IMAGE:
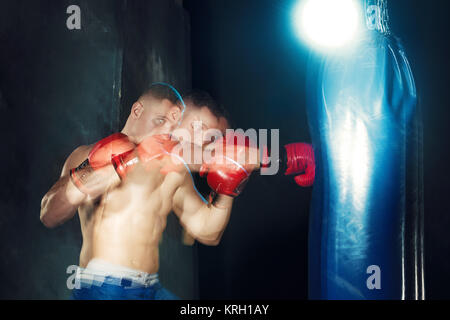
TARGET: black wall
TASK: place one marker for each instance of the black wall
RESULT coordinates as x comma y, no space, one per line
57,89
246,54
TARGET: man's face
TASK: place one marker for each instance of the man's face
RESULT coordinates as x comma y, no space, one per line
199,125
156,117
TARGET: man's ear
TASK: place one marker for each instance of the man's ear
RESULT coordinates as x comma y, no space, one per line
136,110
175,114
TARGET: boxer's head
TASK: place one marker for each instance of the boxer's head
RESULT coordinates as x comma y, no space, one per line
202,114
157,111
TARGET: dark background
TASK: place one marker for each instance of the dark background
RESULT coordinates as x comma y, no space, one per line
61,88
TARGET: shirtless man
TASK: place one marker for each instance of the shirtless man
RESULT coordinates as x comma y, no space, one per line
123,217
124,189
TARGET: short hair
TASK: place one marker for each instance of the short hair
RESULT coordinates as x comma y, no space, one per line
160,91
200,98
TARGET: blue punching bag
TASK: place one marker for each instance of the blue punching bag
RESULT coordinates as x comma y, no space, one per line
366,222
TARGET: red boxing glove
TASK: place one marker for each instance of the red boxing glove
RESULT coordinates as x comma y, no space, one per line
123,163
106,149
104,152
157,147
300,161
229,171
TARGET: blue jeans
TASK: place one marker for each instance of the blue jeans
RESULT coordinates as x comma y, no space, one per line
108,291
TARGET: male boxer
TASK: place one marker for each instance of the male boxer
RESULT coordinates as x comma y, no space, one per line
122,218
126,186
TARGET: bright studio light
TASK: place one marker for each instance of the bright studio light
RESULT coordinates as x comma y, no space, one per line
327,23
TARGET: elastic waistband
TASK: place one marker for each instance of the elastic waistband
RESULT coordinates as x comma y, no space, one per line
98,272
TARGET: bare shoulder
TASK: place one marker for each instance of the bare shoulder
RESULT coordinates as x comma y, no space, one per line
76,158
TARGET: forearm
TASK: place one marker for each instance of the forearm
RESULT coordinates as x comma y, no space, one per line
94,183
213,220
60,203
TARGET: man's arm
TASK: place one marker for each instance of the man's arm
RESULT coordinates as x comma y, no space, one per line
204,223
226,174
87,174
61,202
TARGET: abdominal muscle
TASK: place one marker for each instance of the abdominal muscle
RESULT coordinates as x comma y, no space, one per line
125,226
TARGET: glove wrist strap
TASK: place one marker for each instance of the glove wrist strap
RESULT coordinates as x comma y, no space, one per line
80,176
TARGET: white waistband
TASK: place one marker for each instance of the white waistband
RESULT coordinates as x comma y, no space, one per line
98,270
